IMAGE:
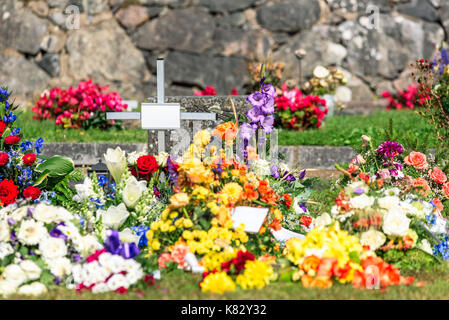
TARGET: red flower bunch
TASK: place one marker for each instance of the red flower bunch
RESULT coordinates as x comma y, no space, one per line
305,221
210,91
12,140
376,272
8,192
31,192
300,112
237,264
408,99
3,158
76,107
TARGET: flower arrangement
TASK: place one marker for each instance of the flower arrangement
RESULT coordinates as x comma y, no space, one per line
110,269
329,253
297,111
81,107
24,172
324,81
394,201
39,245
243,269
404,99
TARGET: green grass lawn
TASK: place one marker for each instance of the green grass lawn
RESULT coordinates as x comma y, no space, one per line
182,286
337,131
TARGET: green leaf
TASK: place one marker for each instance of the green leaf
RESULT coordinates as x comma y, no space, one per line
57,166
41,181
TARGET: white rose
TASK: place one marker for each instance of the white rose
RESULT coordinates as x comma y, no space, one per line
105,259
4,231
116,162
361,202
162,158
133,156
31,269
50,214
388,202
322,220
116,264
261,167
60,267
31,232
343,94
34,289
14,274
320,72
5,249
425,246
372,238
129,236
114,217
52,248
7,288
133,191
396,223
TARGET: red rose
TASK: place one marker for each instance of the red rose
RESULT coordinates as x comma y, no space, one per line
8,192
147,164
12,139
3,158
2,128
32,192
29,158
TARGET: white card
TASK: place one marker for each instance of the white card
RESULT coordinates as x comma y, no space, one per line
161,116
284,234
252,218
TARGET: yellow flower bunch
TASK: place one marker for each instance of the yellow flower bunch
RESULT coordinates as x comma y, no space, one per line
202,138
218,282
257,274
231,193
329,242
213,259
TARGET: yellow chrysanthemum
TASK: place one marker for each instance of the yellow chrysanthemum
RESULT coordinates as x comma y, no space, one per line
257,274
232,191
218,282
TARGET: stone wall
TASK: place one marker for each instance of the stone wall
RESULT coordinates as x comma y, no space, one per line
209,42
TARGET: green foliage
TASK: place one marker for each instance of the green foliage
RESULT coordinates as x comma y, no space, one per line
412,260
63,193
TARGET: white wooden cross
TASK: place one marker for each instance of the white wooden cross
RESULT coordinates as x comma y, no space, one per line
160,116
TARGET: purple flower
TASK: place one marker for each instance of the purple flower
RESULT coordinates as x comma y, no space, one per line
359,191
76,257
30,212
56,233
390,149
275,171
268,106
255,115
303,207
112,243
257,99
289,177
269,90
129,250
267,124
246,131
444,56
11,221
302,174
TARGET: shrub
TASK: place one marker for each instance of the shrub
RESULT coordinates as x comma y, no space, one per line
81,107
298,111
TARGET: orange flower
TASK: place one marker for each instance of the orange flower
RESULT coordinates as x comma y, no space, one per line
307,281
178,255
446,189
353,168
437,175
249,192
417,159
322,283
268,259
252,153
275,224
326,268
422,185
310,263
438,204
226,131
288,200
163,259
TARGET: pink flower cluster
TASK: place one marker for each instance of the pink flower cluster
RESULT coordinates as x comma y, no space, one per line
210,91
409,98
299,112
75,106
